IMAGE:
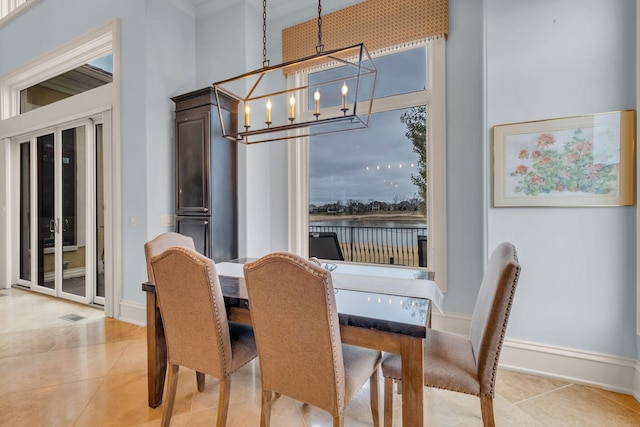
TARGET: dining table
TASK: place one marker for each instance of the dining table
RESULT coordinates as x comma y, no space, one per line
383,307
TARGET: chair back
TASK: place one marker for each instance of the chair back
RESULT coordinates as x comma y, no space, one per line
491,313
295,321
160,244
325,245
193,311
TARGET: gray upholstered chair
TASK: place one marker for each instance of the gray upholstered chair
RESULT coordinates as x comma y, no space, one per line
161,243
198,334
293,311
468,365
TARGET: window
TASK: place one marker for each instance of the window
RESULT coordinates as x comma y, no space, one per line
88,97
86,63
381,189
81,79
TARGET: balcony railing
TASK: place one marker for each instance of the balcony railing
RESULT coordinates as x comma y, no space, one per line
380,245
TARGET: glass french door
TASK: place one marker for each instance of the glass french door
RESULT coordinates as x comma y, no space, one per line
58,212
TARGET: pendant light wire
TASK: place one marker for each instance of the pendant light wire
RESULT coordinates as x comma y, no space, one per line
320,47
265,61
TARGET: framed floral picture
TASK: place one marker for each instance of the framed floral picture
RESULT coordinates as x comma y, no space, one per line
573,161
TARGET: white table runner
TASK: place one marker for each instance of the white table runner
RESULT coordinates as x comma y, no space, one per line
375,279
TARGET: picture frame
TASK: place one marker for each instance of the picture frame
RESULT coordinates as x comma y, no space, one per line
586,160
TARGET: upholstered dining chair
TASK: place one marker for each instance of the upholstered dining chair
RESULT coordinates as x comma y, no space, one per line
294,316
198,333
468,365
161,243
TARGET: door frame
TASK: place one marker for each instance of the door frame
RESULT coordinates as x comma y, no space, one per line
103,100
13,241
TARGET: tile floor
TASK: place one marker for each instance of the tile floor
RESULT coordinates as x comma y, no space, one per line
92,372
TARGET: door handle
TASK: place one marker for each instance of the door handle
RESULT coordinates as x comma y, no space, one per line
66,225
52,225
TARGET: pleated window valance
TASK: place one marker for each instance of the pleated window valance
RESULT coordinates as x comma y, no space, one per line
377,23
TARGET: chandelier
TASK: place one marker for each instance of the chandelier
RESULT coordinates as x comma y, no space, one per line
334,95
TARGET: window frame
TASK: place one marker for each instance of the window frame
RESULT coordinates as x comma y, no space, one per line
434,97
65,58
102,103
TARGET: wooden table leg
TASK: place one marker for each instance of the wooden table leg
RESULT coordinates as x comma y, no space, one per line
412,350
156,352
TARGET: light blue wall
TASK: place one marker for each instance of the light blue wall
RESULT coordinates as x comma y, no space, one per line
555,59
230,43
170,63
465,220
157,61
507,61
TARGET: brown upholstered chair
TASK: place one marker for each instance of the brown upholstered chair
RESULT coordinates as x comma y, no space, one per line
468,365
161,243
293,311
198,334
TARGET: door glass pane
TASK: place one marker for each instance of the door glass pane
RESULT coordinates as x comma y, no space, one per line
46,212
190,160
99,214
73,221
197,229
25,211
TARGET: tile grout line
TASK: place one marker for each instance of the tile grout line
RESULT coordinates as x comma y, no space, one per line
543,394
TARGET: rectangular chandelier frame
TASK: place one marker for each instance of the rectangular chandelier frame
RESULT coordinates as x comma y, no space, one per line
340,99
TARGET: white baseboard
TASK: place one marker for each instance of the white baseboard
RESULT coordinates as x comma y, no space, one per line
612,373
456,323
133,312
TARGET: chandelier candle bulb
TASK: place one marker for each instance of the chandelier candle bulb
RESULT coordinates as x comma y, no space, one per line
247,112
292,106
316,97
269,84
269,105
344,90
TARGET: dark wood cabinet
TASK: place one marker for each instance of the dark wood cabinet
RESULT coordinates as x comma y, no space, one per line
206,174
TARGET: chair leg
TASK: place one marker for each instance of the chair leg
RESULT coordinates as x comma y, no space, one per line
486,406
200,381
172,383
388,401
223,401
265,413
374,396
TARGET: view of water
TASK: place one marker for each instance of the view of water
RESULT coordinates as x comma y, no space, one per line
386,241
367,223
373,232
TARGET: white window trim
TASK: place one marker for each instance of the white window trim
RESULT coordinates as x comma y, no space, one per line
10,9
103,100
70,55
298,168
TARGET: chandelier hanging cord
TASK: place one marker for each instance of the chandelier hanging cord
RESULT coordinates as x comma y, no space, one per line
265,61
275,106
320,47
